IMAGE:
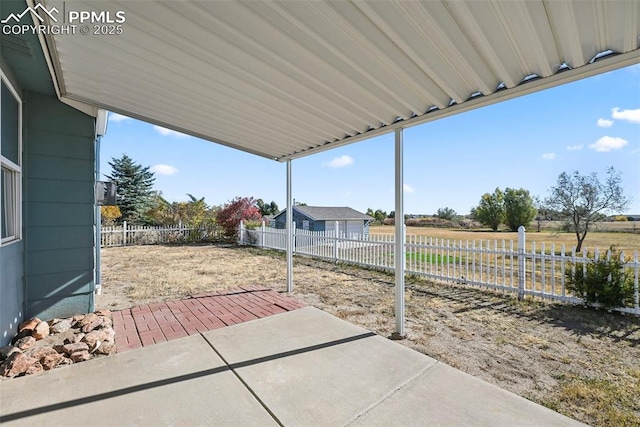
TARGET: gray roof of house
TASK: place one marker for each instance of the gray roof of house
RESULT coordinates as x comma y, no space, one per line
329,213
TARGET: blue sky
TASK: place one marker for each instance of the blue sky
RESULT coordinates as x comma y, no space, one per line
526,142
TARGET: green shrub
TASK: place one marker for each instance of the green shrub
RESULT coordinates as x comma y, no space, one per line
604,282
252,225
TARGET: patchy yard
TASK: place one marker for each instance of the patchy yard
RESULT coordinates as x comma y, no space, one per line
582,363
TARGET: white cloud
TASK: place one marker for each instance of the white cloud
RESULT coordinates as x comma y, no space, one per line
605,123
575,147
168,132
339,162
632,116
608,143
408,188
549,156
161,169
115,117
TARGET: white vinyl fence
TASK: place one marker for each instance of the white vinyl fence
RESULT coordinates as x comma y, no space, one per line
504,265
128,235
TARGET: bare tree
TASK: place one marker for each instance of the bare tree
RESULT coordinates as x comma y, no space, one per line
583,200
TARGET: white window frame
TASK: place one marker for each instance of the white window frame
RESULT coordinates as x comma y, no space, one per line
16,169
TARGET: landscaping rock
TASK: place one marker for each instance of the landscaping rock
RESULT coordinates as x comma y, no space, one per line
34,369
94,337
42,346
76,319
20,335
48,357
65,361
106,348
76,338
106,323
76,347
93,325
25,343
8,350
16,364
80,356
87,319
41,352
60,327
41,331
110,335
29,324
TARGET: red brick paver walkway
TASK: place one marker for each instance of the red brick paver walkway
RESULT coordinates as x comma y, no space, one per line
162,321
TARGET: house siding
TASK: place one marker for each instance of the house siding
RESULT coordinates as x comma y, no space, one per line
358,227
298,218
58,174
11,290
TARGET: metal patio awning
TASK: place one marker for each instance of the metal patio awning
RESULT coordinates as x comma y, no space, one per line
283,79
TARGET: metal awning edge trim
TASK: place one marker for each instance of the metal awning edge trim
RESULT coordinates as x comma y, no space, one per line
601,66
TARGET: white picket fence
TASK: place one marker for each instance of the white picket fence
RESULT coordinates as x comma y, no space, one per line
516,267
128,235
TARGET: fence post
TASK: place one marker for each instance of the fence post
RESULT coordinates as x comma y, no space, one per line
261,241
335,243
521,261
124,233
293,236
241,233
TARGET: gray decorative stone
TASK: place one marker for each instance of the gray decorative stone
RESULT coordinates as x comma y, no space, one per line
60,327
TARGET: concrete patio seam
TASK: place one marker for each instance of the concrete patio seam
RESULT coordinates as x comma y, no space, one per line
388,395
253,393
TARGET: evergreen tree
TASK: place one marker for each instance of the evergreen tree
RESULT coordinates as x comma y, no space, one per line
134,184
267,208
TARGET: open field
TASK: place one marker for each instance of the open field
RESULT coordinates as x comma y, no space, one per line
628,242
582,363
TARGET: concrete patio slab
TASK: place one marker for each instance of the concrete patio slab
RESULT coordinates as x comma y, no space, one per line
179,382
311,368
444,396
303,367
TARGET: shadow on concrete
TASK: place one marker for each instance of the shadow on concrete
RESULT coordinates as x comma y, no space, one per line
177,379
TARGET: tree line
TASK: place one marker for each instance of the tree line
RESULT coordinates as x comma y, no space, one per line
138,204
578,200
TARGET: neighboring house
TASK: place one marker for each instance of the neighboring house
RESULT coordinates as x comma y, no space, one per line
324,218
47,264
268,219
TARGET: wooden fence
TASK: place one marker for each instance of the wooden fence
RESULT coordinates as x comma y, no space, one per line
525,269
128,235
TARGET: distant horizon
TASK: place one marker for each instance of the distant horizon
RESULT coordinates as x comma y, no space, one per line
526,142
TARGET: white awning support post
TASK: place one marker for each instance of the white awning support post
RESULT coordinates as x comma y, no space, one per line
400,249
289,227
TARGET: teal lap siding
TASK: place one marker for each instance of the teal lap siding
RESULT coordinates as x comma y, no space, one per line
58,156
11,290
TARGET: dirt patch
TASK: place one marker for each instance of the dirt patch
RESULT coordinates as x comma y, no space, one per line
582,363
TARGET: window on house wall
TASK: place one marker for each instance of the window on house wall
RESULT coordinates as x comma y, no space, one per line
10,162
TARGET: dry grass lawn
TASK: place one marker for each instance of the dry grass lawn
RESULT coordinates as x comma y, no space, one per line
582,363
628,242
